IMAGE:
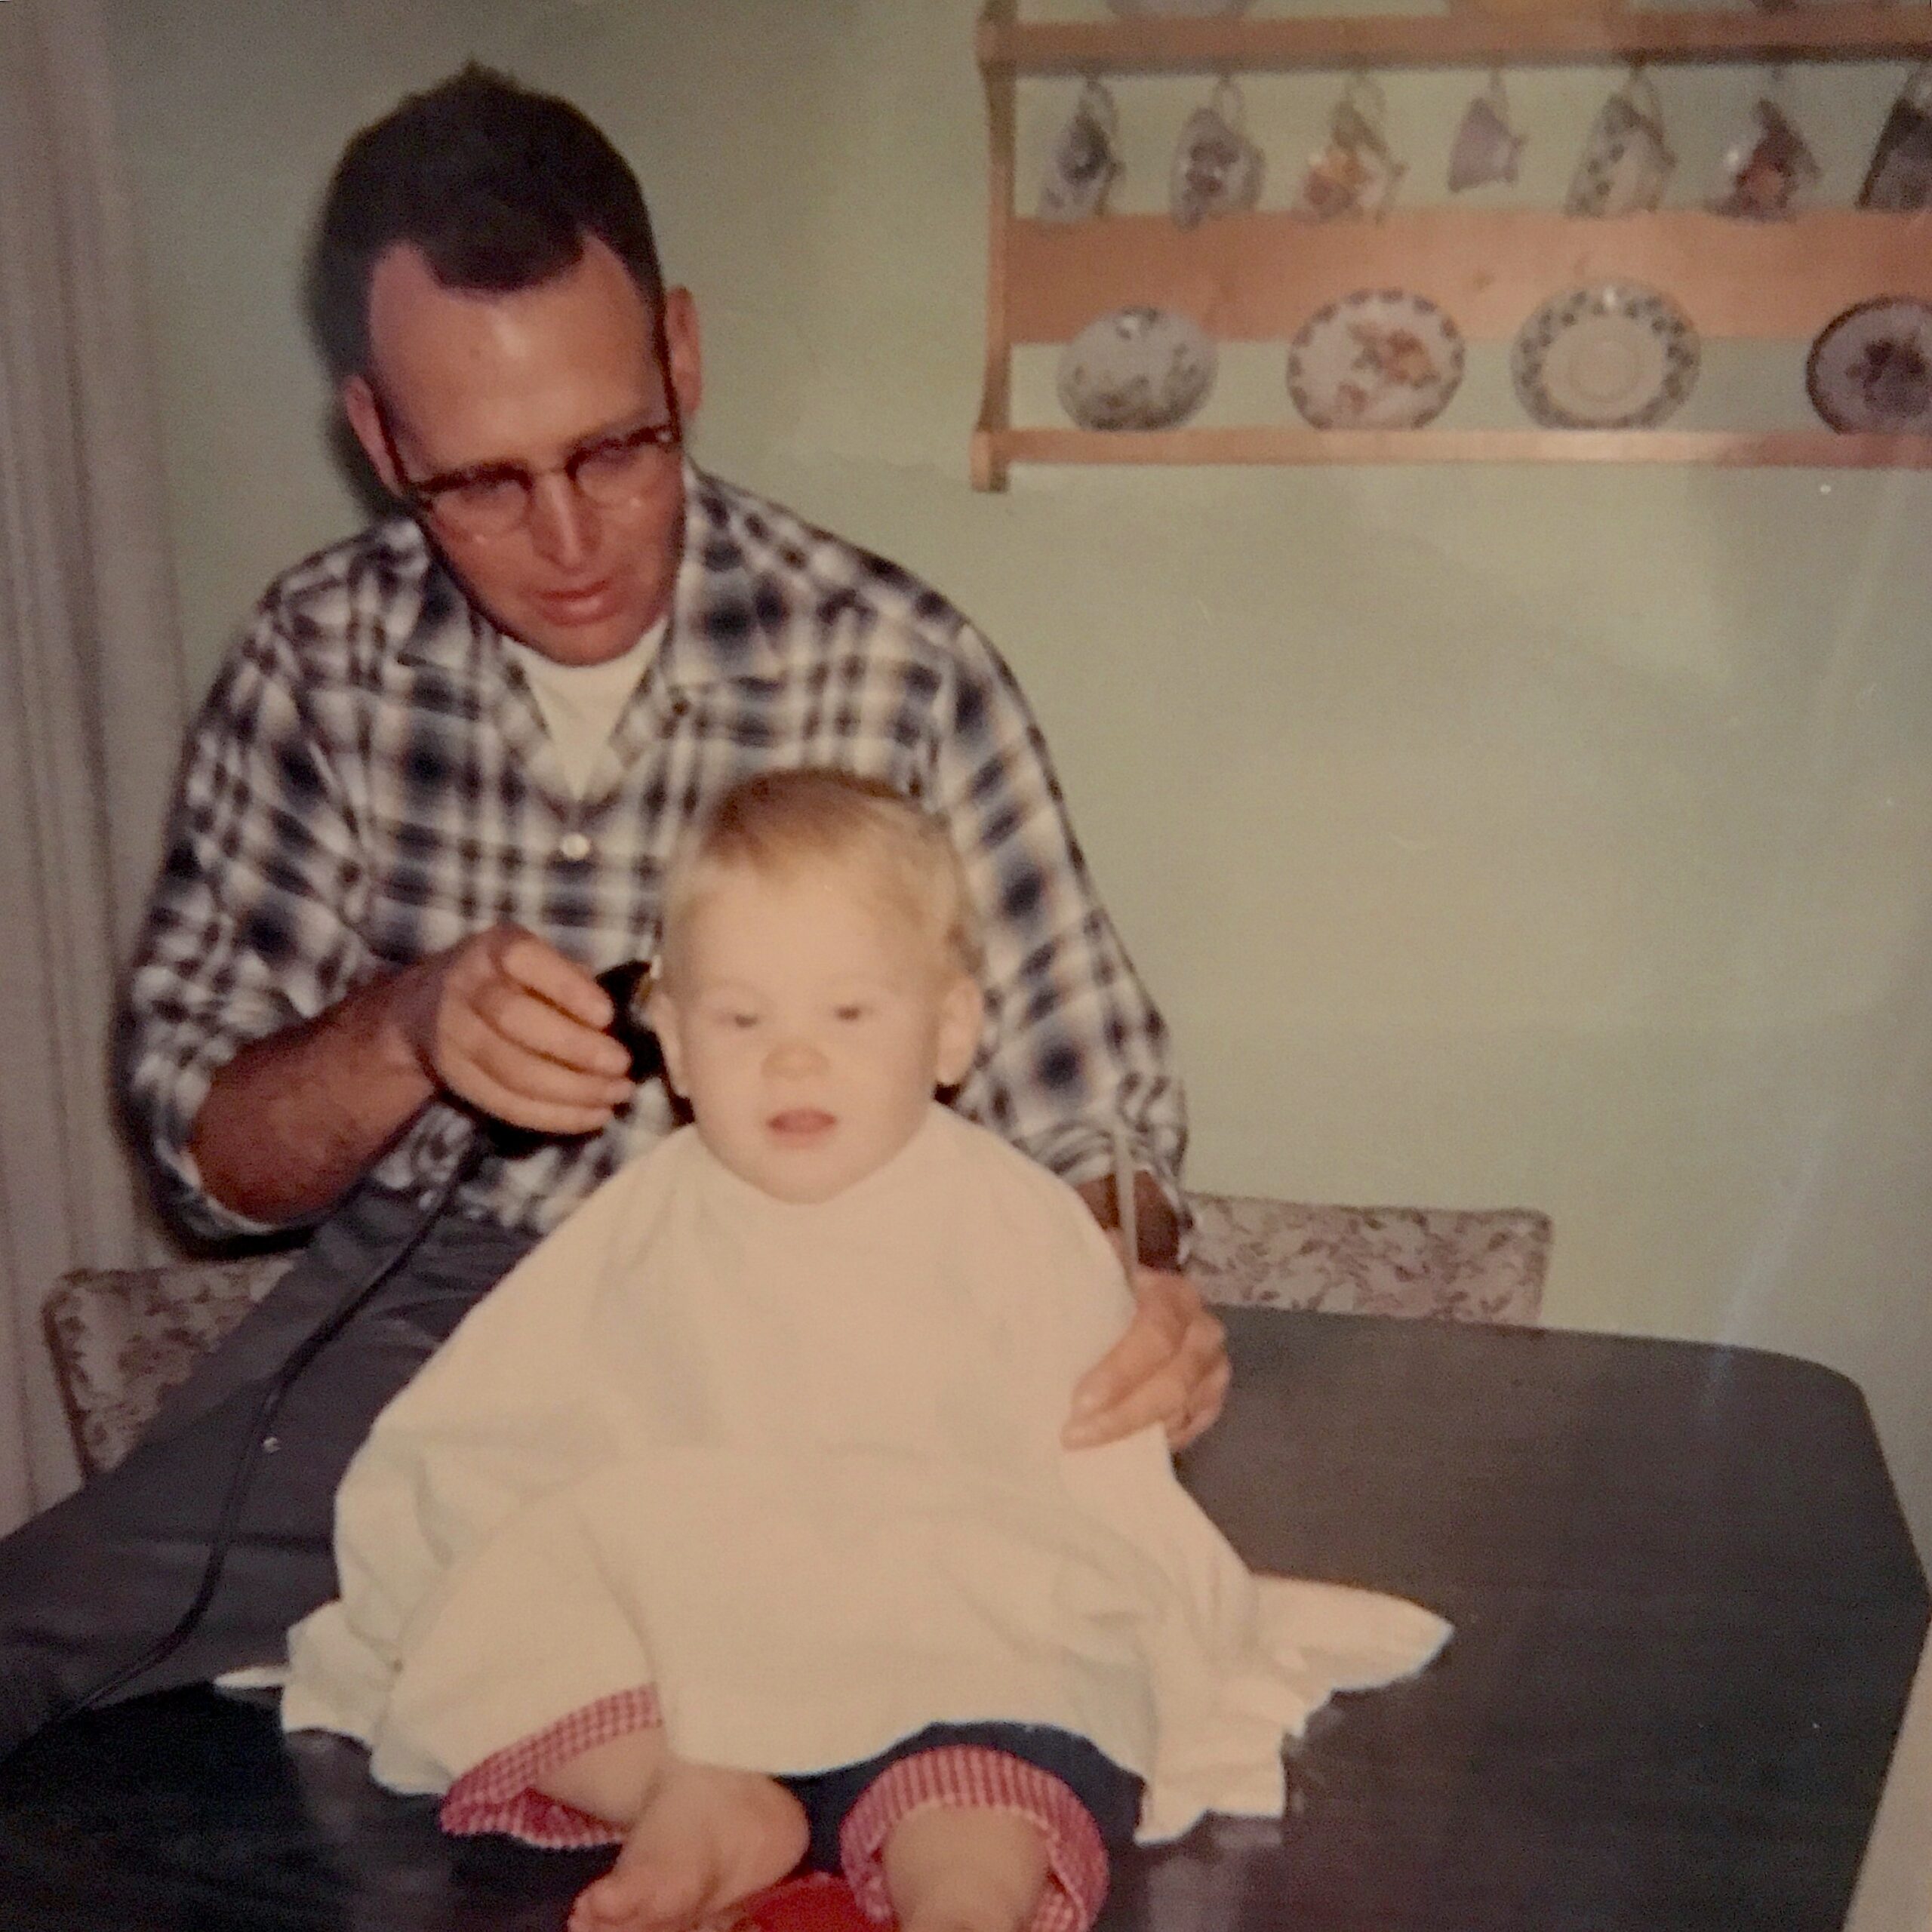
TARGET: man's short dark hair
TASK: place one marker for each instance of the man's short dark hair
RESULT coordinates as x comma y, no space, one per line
497,185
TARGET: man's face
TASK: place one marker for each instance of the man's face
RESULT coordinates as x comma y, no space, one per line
531,377
807,1020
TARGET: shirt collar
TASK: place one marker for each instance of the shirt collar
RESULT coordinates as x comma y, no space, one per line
724,615
435,621
726,610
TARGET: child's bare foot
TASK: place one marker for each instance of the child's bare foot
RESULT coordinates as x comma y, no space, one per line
706,1838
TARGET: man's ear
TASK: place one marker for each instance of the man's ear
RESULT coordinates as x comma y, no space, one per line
962,1013
661,1014
359,404
682,340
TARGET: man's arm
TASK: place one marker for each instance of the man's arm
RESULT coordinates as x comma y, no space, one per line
269,1059
291,1122
502,1021
1156,1227
1075,1053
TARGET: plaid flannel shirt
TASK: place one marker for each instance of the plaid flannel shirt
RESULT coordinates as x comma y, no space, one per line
370,781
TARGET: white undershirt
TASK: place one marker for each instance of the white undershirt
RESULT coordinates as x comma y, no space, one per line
582,703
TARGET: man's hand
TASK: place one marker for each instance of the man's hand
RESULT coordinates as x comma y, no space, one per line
502,1020
1170,1367
505,1022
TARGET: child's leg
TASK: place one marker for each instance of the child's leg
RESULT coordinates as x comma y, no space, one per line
612,1780
697,1838
1000,1826
949,1869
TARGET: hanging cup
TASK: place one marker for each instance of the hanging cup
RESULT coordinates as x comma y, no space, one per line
1218,170
1086,159
1487,148
1626,158
1357,173
1768,171
1900,179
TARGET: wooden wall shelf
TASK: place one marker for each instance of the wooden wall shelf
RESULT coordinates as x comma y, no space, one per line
1258,277
1270,443
1464,38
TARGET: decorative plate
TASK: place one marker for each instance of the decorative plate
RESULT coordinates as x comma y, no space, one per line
1380,359
1136,369
1613,356
1871,367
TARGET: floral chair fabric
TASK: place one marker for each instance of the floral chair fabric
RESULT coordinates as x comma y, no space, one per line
123,1337
1465,1264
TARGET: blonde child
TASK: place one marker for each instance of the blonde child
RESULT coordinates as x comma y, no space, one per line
735,1525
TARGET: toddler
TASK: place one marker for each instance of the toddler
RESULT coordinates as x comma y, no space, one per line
734,1525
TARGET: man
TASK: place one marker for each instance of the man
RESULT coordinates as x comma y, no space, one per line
432,793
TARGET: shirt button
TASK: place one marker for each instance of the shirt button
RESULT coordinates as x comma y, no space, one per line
573,845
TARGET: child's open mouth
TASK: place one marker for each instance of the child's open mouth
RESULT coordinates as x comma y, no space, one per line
802,1123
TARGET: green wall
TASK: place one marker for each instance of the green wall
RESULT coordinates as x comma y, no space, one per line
1552,836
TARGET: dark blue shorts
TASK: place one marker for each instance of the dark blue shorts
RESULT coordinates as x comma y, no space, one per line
1111,1795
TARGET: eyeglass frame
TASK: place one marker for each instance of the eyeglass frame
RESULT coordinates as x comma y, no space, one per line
422,495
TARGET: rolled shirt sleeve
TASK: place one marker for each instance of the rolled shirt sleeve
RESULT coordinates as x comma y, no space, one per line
1075,1050
253,924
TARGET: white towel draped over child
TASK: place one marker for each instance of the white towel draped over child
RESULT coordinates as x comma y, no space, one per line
798,1468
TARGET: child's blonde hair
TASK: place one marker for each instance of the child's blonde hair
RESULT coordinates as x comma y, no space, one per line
771,824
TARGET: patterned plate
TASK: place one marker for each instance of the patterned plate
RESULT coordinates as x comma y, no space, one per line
1137,368
1614,356
1872,368
1380,359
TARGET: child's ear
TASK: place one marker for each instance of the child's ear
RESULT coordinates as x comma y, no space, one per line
962,1013
661,1014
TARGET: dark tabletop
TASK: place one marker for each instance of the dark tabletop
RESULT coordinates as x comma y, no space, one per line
1688,1614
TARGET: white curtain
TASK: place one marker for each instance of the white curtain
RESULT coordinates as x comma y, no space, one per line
91,694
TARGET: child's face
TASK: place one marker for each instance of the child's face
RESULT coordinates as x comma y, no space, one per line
807,1022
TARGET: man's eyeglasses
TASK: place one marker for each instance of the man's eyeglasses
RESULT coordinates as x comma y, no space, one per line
492,498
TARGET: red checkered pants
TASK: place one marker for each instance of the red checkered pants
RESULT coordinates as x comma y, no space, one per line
501,1795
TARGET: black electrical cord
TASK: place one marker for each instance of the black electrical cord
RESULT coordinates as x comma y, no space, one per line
246,1464
628,986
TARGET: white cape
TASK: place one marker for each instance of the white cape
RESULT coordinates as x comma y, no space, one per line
798,1467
